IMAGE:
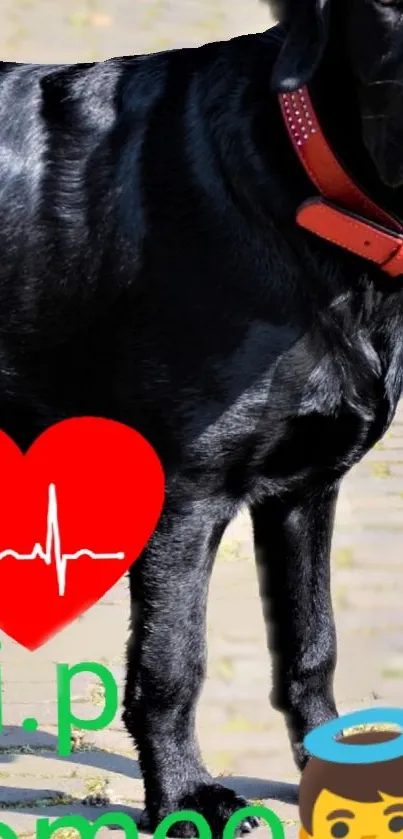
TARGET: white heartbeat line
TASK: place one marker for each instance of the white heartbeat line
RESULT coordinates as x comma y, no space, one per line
53,546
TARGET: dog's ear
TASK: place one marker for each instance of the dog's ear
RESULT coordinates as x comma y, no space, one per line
306,24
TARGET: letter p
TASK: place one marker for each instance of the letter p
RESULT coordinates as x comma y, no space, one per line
66,719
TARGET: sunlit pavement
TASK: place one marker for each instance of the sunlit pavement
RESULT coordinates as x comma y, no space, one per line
242,738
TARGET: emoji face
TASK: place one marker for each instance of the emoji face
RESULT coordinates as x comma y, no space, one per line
340,818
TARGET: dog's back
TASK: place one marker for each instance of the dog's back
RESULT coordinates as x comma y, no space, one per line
127,232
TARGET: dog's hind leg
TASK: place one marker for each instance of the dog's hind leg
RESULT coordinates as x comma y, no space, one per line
292,547
166,667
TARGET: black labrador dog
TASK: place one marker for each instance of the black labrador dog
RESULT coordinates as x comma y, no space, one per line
152,272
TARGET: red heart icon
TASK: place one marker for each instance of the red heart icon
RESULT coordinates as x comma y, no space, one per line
75,512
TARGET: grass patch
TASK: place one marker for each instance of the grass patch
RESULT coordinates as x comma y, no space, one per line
97,694
96,791
96,784
223,669
219,763
66,833
37,802
79,20
231,550
343,557
380,469
211,23
240,724
26,750
340,597
153,12
393,673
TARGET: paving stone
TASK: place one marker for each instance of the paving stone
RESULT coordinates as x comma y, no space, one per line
372,539
376,579
373,600
16,738
122,788
359,703
390,691
12,792
291,831
367,557
110,740
387,454
245,742
47,765
40,689
262,771
395,430
381,618
226,692
396,469
385,508
382,519
89,641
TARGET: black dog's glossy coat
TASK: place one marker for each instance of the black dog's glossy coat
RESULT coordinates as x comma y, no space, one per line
151,271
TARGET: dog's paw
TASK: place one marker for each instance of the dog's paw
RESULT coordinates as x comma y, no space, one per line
319,712
216,803
145,822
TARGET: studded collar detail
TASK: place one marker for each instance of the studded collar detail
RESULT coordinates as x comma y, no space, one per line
343,214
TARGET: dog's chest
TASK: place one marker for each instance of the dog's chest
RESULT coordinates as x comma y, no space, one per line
314,411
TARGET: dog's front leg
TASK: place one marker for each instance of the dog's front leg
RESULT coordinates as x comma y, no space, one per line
166,666
292,546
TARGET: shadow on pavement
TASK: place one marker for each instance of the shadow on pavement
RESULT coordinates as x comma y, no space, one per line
252,788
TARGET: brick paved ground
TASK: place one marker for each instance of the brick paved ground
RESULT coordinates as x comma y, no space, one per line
244,741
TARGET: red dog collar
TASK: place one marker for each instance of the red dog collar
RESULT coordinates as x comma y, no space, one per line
345,215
